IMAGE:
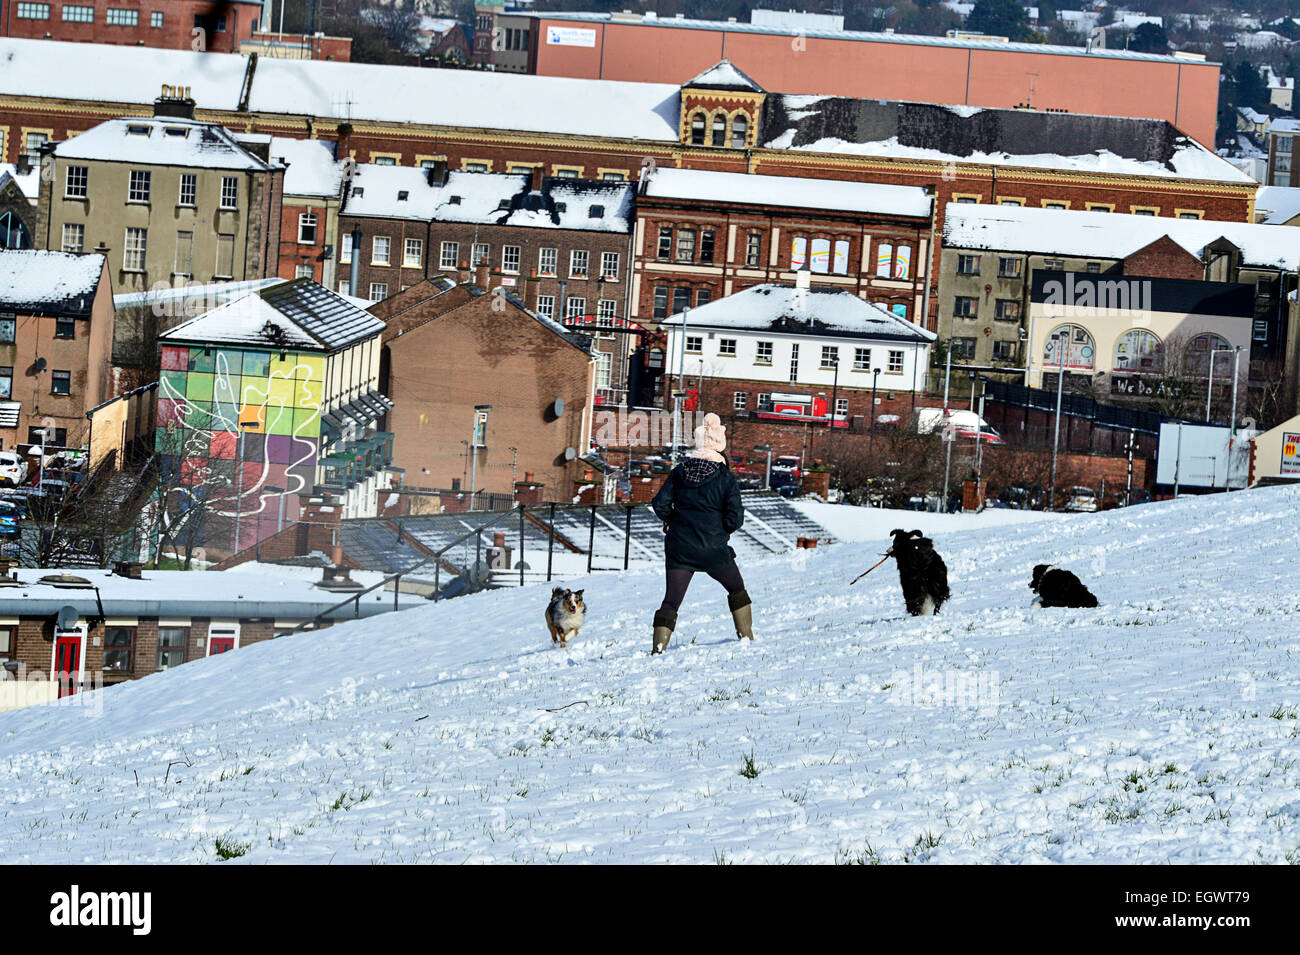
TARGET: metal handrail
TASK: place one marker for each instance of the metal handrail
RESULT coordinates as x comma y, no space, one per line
435,557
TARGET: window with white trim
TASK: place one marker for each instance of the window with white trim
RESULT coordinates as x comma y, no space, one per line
578,261
303,272
575,307
862,359
694,344
448,253
546,306
189,190
138,186
727,347
740,400
307,228
895,362
482,254
229,192
546,261
609,263
830,356
76,182
134,249
119,17
607,308
381,248
74,237
378,291
509,258
413,253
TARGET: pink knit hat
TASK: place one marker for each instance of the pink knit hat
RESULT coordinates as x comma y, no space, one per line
711,439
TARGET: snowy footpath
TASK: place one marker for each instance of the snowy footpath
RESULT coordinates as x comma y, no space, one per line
1159,727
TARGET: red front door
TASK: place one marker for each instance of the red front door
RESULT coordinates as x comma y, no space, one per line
220,644
67,663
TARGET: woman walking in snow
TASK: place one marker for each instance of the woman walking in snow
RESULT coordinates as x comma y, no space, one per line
700,506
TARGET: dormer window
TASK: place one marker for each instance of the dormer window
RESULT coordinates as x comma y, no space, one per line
403,195
358,191
454,200
503,204
596,212
561,207
180,131
134,130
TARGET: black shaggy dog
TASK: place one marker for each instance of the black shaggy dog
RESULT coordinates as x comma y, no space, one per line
921,571
1060,588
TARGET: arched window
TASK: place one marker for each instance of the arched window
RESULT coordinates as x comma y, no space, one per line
1076,344
1201,348
697,129
720,129
1137,352
739,131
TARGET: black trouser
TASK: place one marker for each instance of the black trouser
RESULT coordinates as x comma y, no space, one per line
678,579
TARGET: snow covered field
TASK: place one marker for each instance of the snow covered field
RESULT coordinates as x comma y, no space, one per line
1160,727
873,524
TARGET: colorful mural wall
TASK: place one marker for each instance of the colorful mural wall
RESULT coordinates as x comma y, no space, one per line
206,395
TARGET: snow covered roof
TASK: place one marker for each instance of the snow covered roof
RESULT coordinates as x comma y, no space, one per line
1003,137
295,314
238,593
38,282
723,75
825,312
215,292
1284,125
1278,204
1110,235
401,192
29,182
788,191
312,168
162,141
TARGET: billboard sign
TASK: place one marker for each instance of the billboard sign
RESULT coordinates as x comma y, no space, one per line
570,36
1290,453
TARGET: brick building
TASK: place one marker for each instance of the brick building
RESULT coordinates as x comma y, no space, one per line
309,214
167,199
968,154
702,235
800,57
216,26
56,335
785,359
127,627
450,349
298,46
991,256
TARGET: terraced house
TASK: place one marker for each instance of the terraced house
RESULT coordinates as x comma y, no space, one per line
166,199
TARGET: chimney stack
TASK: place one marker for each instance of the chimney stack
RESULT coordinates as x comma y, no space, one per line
481,274
465,275
532,286
437,174
336,555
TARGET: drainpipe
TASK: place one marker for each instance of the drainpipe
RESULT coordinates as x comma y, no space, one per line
354,273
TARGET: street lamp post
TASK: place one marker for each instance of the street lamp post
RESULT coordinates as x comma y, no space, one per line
480,414
1062,341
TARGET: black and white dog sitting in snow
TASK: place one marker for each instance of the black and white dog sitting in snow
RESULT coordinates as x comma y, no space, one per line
921,571
1059,588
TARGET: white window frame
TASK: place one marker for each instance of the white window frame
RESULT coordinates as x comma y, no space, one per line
579,263
412,253
79,188
375,246
139,185
610,263
307,220
131,250
510,259
449,255
381,294
229,193
189,187
546,255
80,232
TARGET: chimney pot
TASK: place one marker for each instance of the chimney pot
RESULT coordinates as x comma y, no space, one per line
336,555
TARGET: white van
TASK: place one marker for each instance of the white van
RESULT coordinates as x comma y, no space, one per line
962,424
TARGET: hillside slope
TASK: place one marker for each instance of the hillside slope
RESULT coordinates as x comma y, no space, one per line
1160,727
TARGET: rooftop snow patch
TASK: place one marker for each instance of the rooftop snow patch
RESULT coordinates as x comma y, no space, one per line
295,314
312,169
723,75
1109,235
812,311
49,282
899,130
162,141
789,191
1279,204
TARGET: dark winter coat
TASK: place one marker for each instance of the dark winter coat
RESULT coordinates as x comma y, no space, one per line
700,505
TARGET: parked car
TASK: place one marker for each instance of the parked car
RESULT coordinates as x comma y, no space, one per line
1081,499
1020,497
13,468
962,424
11,516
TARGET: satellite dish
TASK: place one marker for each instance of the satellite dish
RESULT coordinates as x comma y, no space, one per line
554,409
67,618
40,364
570,454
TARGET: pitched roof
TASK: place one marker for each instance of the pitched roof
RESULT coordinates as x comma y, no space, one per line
312,169
1110,235
162,141
295,314
402,192
705,186
1279,204
723,75
48,283
822,312
1004,137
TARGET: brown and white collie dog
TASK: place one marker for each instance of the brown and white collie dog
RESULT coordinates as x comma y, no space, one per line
565,614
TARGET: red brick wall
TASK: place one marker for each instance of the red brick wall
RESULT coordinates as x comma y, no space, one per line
1164,258
174,34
